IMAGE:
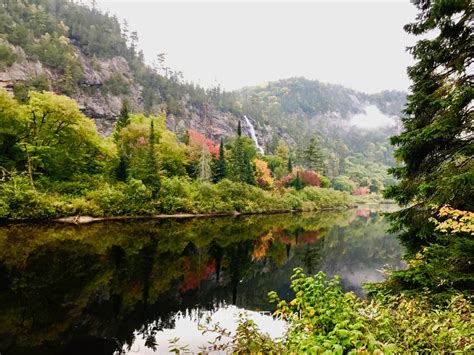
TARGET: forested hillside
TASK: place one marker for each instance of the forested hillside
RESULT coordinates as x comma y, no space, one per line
298,110
78,51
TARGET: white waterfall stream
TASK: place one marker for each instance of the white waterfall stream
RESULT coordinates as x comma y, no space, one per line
253,135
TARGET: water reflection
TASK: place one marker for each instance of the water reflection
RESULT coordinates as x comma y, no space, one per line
99,288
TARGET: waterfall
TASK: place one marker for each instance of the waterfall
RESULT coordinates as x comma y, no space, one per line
253,135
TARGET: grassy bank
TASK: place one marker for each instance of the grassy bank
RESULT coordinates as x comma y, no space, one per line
97,198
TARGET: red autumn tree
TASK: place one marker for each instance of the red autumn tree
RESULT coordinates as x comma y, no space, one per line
197,139
362,191
310,178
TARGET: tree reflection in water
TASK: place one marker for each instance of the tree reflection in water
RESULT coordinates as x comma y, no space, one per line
95,288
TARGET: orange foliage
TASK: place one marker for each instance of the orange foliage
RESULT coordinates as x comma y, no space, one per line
197,139
310,178
283,182
261,246
264,177
309,237
285,239
362,191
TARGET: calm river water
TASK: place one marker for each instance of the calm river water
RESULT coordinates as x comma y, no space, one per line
129,287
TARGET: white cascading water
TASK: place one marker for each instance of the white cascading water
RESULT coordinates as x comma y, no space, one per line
253,135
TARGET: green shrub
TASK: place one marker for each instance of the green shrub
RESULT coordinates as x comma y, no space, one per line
323,198
175,195
323,319
20,200
343,183
109,199
116,85
7,56
96,196
207,199
325,182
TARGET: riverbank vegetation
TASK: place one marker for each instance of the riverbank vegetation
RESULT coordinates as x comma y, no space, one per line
323,319
54,163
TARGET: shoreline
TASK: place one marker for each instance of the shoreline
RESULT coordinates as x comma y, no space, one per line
86,219
77,220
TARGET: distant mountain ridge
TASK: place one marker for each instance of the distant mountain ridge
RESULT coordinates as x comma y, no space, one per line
299,104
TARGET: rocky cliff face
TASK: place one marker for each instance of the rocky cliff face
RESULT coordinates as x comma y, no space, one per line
103,107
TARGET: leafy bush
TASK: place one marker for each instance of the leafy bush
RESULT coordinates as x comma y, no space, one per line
325,182
175,195
7,56
116,85
20,200
323,319
343,183
110,199
323,198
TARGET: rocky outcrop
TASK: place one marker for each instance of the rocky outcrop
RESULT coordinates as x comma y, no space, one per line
104,107
91,98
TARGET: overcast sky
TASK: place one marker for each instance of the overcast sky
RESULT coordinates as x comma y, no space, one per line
235,44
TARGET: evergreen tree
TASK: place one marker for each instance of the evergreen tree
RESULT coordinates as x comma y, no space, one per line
123,120
66,83
290,165
248,171
242,166
436,147
312,156
220,165
239,130
186,138
297,183
152,177
121,173
238,164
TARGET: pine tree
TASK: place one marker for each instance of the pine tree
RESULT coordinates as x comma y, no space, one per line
297,183
436,147
66,83
220,165
152,177
249,171
237,160
242,168
290,165
121,173
313,157
282,150
123,120
239,129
